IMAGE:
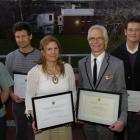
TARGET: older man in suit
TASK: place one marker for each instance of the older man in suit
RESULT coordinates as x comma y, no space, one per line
107,76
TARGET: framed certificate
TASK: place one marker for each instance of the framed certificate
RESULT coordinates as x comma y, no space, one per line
133,100
97,106
20,81
53,110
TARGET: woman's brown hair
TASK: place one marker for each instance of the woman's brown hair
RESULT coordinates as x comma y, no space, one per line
44,42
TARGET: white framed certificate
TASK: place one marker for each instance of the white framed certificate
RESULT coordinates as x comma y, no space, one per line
20,83
97,106
133,100
53,110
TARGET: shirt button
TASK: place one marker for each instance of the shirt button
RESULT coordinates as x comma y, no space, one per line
129,77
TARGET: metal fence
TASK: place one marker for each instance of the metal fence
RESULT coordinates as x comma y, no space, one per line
73,59
69,58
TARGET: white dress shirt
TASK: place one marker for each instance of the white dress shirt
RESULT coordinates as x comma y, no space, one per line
99,61
130,51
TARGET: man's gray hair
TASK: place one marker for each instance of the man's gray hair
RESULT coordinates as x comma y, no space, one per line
98,27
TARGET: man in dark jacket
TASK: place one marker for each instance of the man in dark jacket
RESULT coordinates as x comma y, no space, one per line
129,52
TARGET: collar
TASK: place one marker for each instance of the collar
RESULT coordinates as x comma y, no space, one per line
25,54
99,58
134,51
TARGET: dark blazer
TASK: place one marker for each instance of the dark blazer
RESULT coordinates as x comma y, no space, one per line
111,78
132,79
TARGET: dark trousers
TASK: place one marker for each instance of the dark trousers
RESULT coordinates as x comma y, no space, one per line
133,126
3,128
20,120
100,132
97,132
120,135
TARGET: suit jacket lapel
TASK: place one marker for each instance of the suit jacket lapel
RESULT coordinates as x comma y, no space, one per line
103,69
88,71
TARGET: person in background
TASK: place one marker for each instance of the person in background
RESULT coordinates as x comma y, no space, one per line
129,52
109,77
5,84
50,76
21,61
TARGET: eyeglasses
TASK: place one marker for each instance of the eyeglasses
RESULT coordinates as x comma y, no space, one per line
96,39
133,30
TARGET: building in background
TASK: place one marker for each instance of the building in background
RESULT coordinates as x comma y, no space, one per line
77,20
60,24
46,23
110,13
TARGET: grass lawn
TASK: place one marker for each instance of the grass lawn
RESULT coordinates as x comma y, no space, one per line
71,44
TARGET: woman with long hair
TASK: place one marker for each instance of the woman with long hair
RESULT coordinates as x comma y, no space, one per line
51,75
